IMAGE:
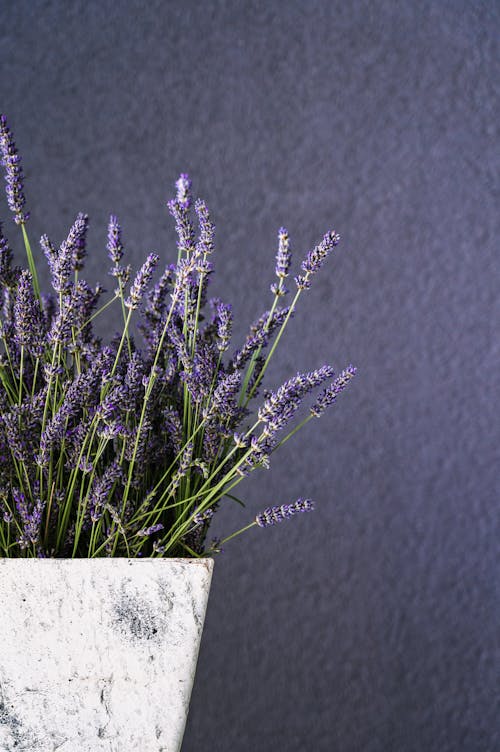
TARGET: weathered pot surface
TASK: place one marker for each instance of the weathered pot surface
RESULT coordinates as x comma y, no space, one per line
99,655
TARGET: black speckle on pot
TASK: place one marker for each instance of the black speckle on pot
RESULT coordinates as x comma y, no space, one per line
7,718
135,617
21,738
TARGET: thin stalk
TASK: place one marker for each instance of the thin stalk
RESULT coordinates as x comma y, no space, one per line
238,532
255,355
96,313
49,507
21,369
273,348
31,261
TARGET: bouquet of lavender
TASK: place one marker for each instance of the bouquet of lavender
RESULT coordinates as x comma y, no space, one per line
116,449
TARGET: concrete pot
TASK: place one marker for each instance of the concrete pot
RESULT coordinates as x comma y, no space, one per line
98,655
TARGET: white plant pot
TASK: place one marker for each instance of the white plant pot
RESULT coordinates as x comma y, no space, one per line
98,655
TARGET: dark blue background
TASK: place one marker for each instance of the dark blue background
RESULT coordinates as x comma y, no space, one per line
370,625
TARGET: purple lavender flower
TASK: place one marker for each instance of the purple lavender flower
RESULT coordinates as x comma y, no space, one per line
101,489
28,321
181,350
259,456
31,518
83,300
221,414
70,323
198,369
260,332
48,309
63,262
182,289
122,275
133,378
85,465
7,323
75,439
315,259
172,429
201,517
7,517
283,261
79,246
15,434
277,410
49,251
81,392
141,281
157,296
329,395
199,378
183,226
60,330
280,406
274,515
5,260
224,325
112,403
205,243
13,173
147,531
114,245
158,548
179,209
222,404
183,186
184,465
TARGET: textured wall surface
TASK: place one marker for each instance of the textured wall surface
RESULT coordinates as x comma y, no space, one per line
371,624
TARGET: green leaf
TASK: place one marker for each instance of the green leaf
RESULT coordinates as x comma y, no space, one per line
235,498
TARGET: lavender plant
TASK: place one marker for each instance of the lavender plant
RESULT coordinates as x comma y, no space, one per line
116,449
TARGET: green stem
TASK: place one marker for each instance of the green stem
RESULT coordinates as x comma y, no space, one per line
21,369
238,532
273,348
31,261
255,355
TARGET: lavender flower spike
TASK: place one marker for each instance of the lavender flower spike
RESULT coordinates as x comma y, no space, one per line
5,260
69,256
205,244
183,186
114,246
79,246
224,325
329,395
315,258
281,405
147,531
260,332
31,518
283,261
13,173
28,321
141,281
201,517
183,226
273,515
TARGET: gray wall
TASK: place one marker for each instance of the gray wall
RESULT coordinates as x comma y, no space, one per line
368,626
